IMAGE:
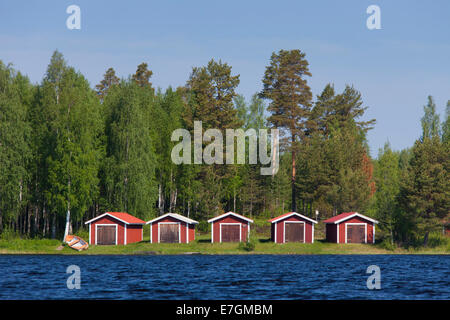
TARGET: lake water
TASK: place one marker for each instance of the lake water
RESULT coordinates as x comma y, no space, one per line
225,277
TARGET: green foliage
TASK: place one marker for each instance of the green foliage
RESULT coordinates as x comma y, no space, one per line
242,109
430,120
286,88
446,125
70,147
424,198
248,245
426,189
284,84
436,239
130,167
203,226
387,245
9,234
15,150
335,172
387,179
108,81
251,115
66,146
142,76
212,90
336,110
167,115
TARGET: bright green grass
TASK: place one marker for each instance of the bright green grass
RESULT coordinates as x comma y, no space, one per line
18,245
203,245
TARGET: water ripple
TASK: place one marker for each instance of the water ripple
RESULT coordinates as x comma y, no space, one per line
225,277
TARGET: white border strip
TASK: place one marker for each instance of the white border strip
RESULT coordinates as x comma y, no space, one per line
284,229
105,224
230,223
292,214
230,214
356,214
174,216
357,224
179,230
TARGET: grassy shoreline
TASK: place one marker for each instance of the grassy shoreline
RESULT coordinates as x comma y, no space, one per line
202,245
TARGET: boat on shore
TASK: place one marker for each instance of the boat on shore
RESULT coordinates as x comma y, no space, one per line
76,243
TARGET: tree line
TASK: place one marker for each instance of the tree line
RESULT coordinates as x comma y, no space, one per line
67,147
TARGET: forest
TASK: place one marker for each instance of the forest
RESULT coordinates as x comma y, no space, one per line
67,146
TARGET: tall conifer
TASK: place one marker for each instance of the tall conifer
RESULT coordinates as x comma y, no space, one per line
290,100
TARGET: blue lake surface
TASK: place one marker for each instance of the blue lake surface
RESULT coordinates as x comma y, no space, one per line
225,277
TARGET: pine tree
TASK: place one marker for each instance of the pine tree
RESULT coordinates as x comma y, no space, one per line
143,75
321,114
426,192
109,79
348,107
337,110
350,169
335,171
210,93
290,100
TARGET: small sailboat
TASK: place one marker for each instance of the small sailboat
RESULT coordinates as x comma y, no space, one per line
75,242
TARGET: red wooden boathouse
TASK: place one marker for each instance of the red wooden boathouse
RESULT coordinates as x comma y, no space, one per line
112,228
230,227
172,228
350,227
292,227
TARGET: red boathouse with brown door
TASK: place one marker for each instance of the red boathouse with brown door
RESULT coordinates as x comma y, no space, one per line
350,227
230,227
292,227
112,228
172,228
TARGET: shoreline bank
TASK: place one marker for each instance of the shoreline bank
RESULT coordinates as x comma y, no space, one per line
203,247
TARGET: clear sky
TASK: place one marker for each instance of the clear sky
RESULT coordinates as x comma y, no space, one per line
394,68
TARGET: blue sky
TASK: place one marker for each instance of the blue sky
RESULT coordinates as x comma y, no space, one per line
394,68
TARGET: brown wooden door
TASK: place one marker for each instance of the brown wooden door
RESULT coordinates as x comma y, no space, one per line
106,235
169,233
356,233
231,232
294,232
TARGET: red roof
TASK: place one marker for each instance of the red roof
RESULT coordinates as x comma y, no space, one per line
122,216
344,215
126,217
